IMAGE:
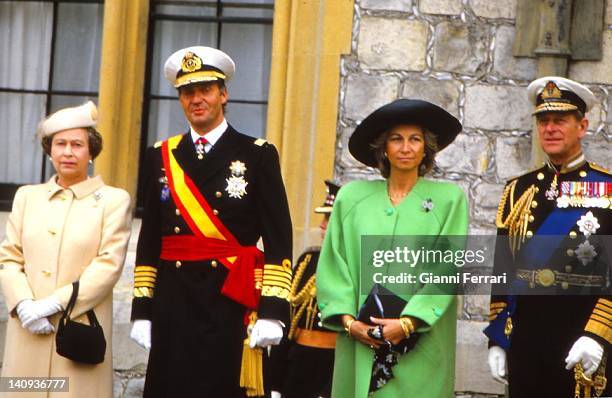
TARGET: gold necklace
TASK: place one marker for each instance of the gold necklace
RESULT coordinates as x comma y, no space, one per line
395,198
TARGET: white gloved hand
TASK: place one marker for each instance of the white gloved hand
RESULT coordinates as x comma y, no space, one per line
266,332
497,364
41,326
32,310
588,352
141,333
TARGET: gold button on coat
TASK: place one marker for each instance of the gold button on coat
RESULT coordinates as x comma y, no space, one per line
178,264
540,176
573,234
177,230
215,212
213,263
534,204
529,234
583,174
568,268
177,212
218,194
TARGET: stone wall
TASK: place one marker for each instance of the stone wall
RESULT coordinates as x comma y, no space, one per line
458,54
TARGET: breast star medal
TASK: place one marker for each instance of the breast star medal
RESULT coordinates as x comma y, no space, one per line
236,184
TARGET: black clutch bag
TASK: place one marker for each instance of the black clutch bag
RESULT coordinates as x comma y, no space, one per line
77,341
381,303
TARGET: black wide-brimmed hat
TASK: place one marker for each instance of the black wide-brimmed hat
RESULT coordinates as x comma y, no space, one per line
403,111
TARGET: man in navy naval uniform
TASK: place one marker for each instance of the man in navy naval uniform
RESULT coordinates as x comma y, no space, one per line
550,333
206,298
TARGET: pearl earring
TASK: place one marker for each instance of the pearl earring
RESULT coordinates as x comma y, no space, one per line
50,159
90,161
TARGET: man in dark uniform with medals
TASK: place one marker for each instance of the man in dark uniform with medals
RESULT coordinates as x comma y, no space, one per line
551,329
310,363
205,296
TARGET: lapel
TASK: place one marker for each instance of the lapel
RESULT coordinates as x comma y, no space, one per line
200,171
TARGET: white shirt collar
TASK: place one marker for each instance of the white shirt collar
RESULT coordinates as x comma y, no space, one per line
212,136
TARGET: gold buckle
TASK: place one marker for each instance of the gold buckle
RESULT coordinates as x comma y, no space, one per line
545,277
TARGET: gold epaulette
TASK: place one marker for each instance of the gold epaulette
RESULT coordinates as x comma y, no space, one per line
259,142
599,168
517,220
303,300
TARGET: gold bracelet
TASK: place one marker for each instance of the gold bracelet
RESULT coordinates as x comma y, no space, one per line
347,326
405,327
410,324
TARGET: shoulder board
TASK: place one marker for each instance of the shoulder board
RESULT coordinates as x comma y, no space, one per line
540,167
599,168
159,143
259,142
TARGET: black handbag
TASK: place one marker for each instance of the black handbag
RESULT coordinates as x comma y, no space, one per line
77,341
381,303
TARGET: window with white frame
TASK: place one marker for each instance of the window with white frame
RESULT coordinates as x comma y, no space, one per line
49,59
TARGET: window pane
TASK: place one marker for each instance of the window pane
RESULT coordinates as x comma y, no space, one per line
202,9
20,151
250,47
171,36
166,118
247,9
25,44
78,47
249,119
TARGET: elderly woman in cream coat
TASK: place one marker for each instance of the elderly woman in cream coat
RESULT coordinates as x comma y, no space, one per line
71,228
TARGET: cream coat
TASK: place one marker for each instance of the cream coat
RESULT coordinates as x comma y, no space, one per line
55,236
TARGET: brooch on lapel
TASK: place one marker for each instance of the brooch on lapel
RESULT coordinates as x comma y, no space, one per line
236,184
427,205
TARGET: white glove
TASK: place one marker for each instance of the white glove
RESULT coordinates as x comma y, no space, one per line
41,326
275,394
31,310
266,332
588,352
141,333
497,364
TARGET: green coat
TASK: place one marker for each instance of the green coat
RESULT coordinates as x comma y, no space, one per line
363,208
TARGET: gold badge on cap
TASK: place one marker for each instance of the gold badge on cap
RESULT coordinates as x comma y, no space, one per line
551,91
191,63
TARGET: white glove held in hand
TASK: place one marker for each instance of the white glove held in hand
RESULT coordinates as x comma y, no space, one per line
588,352
141,333
41,326
266,332
32,310
497,364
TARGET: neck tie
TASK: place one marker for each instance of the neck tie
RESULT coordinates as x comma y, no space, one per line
199,144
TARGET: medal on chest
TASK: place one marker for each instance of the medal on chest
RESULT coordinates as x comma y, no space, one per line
236,184
585,194
165,190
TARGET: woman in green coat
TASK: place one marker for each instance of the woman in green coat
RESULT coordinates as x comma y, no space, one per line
400,139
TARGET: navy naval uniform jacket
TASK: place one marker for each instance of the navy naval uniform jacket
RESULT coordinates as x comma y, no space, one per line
197,332
310,360
558,293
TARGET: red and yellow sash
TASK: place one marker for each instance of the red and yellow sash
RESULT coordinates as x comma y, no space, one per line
210,239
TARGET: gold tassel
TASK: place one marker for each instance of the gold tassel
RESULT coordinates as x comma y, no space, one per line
251,368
